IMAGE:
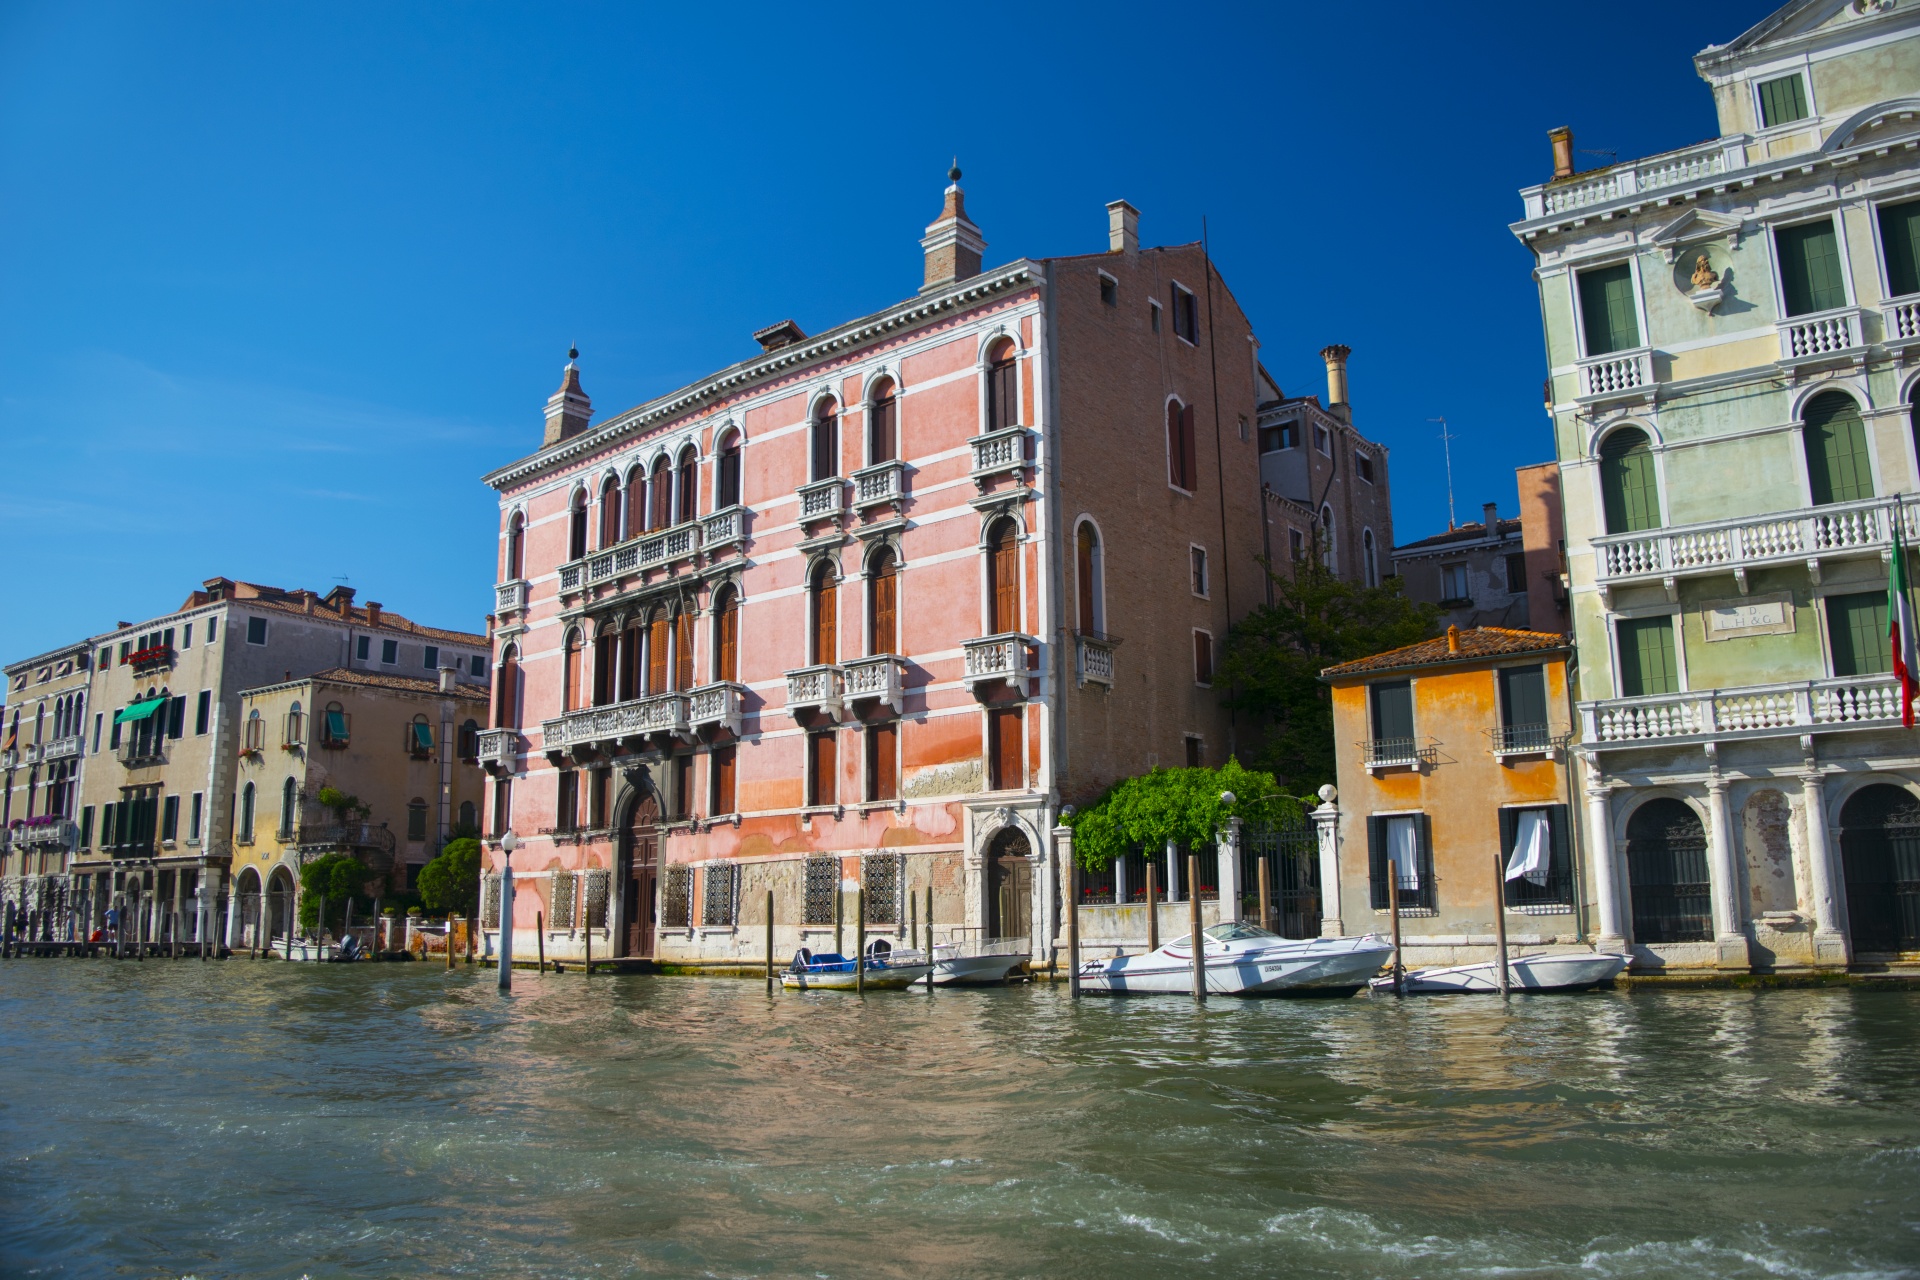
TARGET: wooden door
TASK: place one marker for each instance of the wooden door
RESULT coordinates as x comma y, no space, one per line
1003,580
640,899
1009,889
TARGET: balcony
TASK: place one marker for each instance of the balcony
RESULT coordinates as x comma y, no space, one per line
1093,658
137,754
34,834
1671,169
1826,337
1526,740
724,529
510,597
823,500
599,730
716,706
882,484
495,749
1807,536
648,551
882,677
63,748
1001,657
1617,376
818,689
1398,753
1900,325
1749,711
157,657
999,452
322,832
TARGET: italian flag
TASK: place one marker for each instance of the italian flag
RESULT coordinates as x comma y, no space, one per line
1900,624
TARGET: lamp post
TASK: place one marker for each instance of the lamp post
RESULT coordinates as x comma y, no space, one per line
508,842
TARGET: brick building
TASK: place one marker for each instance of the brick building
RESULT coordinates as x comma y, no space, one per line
872,605
1497,572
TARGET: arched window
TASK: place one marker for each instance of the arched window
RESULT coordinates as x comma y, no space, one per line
659,638
577,527
506,697
660,496
289,793
469,820
726,635
1003,387
246,813
334,728
1627,485
1327,548
883,599
256,731
823,614
1369,561
572,691
296,726
1003,578
632,641
727,490
1089,580
825,440
420,738
516,548
689,475
683,649
470,740
1668,883
636,501
1182,466
883,428
611,525
1838,468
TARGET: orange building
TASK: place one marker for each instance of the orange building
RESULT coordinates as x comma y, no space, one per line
1452,754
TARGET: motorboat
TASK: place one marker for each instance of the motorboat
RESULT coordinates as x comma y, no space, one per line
830,971
1574,971
1243,960
977,963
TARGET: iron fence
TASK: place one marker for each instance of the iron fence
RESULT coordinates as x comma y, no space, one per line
1292,855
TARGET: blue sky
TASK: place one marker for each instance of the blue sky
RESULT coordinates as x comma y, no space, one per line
278,283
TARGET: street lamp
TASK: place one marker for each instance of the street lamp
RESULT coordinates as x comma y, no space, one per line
508,842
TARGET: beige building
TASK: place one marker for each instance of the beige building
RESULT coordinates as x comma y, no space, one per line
403,746
40,761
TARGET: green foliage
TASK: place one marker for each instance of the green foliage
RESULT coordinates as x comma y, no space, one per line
451,882
1274,657
1182,805
336,877
342,804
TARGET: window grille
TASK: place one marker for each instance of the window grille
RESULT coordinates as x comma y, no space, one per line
823,882
560,915
676,898
597,884
883,875
720,904
490,902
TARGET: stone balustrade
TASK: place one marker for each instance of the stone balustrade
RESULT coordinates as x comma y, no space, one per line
1765,710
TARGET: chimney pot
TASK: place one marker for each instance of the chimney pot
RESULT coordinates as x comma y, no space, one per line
446,679
1453,639
1336,358
1123,228
1562,139
1490,513
373,613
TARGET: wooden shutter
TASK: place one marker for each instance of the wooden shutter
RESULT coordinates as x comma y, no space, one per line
1646,657
1083,574
605,658
1509,832
825,463
577,542
823,782
1900,245
1202,658
1189,467
727,660
1810,272
1003,580
730,474
610,514
658,639
883,761
1560,873
631,641
826,619
1003,393
1782,101
886,581
1393,710
882,442
504,698
1838,468
662,496
1376,862
1006,749
1627,482
689,487
1423,826
1523,696
1606,310
683,650
721,762
1176,455
1857,627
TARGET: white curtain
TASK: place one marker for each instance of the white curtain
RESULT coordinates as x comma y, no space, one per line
1532,847
1403,846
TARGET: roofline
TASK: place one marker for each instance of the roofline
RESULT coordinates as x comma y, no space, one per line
480,691
77,647
1450,661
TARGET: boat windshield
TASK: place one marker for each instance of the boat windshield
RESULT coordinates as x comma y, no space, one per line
1234,931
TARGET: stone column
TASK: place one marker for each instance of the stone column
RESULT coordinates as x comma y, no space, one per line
1062,861
1606,870
1326,821
1829,940
1228,878
1729,935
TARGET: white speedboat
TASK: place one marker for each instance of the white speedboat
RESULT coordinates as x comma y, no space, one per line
885,971
1575,971
977,964
1244,960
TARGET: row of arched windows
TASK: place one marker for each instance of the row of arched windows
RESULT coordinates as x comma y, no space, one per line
69,716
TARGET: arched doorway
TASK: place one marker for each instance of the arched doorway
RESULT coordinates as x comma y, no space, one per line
246,909
1009,886
640,874
1667,874
1880,854
280,903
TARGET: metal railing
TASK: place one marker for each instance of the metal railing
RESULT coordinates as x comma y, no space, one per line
1849,702
1721,546
1522,739
1387,753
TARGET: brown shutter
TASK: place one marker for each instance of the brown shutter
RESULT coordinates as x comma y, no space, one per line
730,474
721,762
1203,657
657,641
1188,467
503,708
882,760
1083,574
1175,454
881,442
823,785
629,664
683,650
826,462
605,656
1006,757
610,514
727,664
1004,573
826,619
885,582
662,497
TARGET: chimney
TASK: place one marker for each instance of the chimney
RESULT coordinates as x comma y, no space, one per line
1562,140
952,244
776,336
446,679
1490,518
569,410
1453,639
373,613
1336,358
1123,228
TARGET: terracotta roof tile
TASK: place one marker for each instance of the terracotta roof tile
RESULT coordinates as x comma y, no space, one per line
1476,643
381,680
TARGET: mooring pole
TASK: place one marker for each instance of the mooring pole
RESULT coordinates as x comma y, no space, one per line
769,942
1393,912
540,937
1266,892
1199,939
449,939
839,918
1500,917
508,843
587,933
913,921
860,935
1153,912
1073,928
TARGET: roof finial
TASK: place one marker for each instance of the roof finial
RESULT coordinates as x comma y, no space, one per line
573,351
953,174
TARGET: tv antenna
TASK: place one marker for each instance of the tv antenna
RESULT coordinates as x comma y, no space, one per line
1446,444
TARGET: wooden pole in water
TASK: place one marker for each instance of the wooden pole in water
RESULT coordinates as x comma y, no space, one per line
1153,911
540,938
1266,892
173,935
449,940
860,935
913,922
929,930
1073,928
769,942
1193,920
1393,911
588,935
1500,917
839,919
259,930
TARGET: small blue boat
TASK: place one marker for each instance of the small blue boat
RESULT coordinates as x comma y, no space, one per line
831,971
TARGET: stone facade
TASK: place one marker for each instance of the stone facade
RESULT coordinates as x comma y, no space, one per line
42,756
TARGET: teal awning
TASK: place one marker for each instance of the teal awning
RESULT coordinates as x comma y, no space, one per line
139,710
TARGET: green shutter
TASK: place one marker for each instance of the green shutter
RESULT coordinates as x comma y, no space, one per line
1857,625
1393,710
1626,479
1523,696
1647,663
1810,268
1900,242
1606,310
1782,101
1838,469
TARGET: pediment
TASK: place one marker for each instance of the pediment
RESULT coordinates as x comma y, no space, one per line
1696,226
1801,18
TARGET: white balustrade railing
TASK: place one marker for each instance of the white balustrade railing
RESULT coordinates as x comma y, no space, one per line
1866,701
1900,319
716,705
723,528
647,551
881,482
637,717
882,676
822,498
1001,657
998,451
510,597
1826,334
1616,373
1841,528
816,688
497,745
1674,168
1094,655
62,748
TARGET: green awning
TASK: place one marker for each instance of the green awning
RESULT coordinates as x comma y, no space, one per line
139,710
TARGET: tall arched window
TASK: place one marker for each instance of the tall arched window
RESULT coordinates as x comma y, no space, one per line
726,635
1182,464
296,726
659,638
1838,468
727,489
469,740
632,641
573,692
1370,562
1003,578
1627,485
246,813
1328,556
577,526
468,818
883,600
1090,589
516,547
825,440
636,501
660,496
683,649
1003,387
689,476
823,614
883,428
506,697
611,525
289,794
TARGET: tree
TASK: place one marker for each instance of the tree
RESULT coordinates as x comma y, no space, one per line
336,877
451,882
1181,805
1274,657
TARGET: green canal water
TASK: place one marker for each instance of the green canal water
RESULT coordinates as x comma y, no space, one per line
265,1119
